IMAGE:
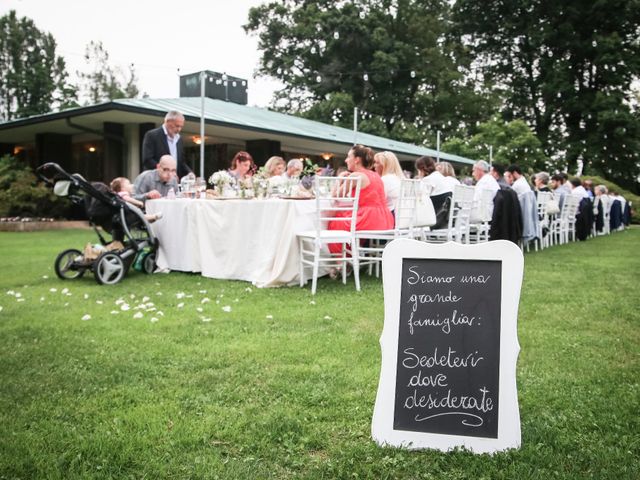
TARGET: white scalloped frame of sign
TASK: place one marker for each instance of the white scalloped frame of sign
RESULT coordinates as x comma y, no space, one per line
512,265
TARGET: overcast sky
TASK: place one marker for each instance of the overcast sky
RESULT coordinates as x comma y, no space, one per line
158,37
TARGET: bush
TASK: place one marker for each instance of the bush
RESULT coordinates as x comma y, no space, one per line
23,195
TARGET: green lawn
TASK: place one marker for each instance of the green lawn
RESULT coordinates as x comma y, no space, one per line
211,379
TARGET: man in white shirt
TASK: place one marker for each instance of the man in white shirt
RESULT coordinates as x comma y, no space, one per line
520,184
577,188
483,180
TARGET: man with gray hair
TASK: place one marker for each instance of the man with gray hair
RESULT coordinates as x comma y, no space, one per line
294,168
165,140
484,181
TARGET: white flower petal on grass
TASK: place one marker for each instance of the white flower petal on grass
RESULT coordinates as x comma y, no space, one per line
10,292
138,315
206,319
1,308
205,300
226,308
312,302
150,304
99,302
248,289
199,309
133,295
86,295
180,305
18,295
42,299
180,295
152,309
159,293
20,299
145,299
189,296
236,300
154,319
66,304
327,317
119,301
203,291
64,291
217,302
45,276
53,290
114,312
86,317
124,306
270,317
160,313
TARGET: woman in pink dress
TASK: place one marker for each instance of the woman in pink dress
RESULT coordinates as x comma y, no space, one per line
373,213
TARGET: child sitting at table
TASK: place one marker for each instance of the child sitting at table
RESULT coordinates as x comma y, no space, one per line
123,187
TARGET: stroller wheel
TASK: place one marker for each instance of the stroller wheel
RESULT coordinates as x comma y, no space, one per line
149,265
67,265
109,269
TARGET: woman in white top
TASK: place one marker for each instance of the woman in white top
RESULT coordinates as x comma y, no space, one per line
446,169
434,185
386,165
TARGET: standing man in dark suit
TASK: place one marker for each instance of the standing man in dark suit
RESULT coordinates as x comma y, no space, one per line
165,140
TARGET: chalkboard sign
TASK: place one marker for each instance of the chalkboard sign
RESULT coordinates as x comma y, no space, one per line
449,346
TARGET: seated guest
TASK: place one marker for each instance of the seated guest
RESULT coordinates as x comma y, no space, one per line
449,174
540,181
588,186
241,166
484,181
498,172
275,166
519,184
601,207
156,183
576,188
373,213
294,168
483,208
388,167
560,188
433,182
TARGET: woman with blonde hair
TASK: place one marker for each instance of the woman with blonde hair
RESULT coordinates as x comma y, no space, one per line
386,165
275,166
446,169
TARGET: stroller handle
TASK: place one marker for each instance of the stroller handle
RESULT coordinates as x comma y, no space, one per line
48,171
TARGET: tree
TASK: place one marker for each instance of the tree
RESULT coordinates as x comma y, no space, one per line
511,142
566,68
393,59
105,82
33,79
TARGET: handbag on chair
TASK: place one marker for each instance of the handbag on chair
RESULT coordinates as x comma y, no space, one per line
425,213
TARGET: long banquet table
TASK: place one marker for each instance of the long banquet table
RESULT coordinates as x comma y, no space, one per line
233,239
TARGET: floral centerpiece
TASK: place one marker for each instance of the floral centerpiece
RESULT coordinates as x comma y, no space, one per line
220,180
261,183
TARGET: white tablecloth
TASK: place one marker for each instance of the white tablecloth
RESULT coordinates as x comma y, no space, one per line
251,240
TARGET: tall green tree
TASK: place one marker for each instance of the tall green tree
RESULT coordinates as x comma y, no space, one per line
566,68
104,81
510,142
393,59
33,79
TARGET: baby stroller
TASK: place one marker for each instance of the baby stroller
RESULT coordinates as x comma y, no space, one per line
132,239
